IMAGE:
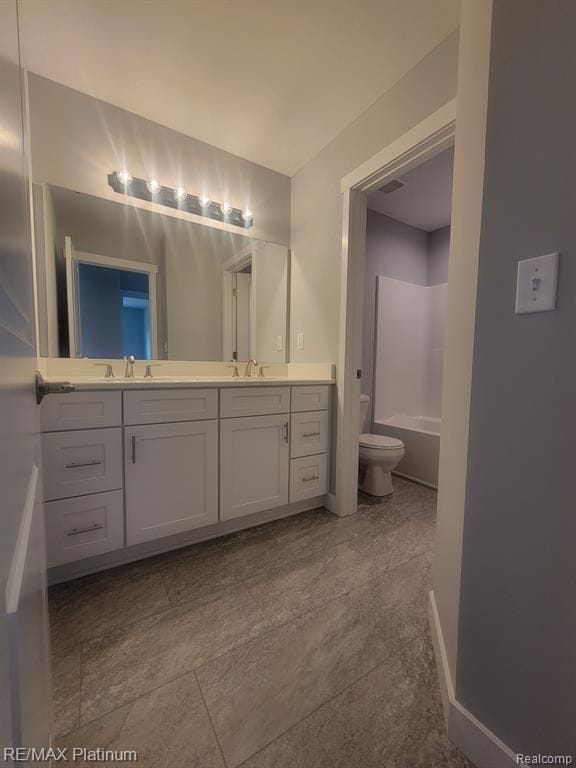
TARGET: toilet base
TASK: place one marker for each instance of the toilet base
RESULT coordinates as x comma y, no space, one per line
376,481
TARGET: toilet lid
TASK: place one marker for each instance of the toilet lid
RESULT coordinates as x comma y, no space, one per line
380,441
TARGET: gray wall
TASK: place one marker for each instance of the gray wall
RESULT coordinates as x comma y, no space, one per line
516,668
438,250
78,140
316,214
393,249
397,250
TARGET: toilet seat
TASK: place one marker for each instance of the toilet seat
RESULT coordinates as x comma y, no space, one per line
383,442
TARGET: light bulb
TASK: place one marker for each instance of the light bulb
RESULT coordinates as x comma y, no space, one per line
204,201
124,177
153,186
226,208
247,214
180,194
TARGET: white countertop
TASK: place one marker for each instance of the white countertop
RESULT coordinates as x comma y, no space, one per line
93,383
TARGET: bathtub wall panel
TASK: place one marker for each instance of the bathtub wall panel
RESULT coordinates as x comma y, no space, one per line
409,349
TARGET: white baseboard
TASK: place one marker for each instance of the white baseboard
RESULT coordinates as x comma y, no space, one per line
416,480
479,744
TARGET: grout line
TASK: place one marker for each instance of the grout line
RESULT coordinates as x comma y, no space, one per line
267,631
381,663
272,627
129,702
378,574
293,620
210,719
240,580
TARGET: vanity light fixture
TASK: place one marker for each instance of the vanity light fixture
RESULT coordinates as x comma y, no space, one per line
153,186
177,197
124,177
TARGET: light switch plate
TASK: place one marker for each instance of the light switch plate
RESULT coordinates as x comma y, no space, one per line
536,284
300,341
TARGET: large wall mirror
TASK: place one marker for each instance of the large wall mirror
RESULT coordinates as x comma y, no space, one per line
116,280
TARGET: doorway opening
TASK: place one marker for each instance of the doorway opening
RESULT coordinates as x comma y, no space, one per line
429,138
114,312
111,306
405,299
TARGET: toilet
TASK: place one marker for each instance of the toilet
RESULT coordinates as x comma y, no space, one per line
379,455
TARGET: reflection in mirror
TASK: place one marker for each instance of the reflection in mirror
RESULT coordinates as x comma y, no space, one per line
117,280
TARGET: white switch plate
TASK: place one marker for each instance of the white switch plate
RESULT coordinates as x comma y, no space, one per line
300,341
279,343
536,284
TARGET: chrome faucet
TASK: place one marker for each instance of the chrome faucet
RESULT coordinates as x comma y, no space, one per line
248,370
109,370
129,372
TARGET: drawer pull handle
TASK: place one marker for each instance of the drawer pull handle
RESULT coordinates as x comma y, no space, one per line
310,479
76,531
286,432
311,434
76,464
133,449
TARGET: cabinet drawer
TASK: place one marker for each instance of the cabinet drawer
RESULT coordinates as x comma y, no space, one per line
82,462
81,410
313,398
308,477
160,407
309,433
82,527
254,400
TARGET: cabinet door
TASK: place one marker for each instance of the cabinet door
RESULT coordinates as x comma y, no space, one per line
171,479
254,456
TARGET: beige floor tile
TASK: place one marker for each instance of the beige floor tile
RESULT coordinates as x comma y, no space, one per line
168,728
87,607
262,688
309,582
132,660
392,717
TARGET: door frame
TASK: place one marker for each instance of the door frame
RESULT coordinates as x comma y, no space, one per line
82,257
229,268
422,142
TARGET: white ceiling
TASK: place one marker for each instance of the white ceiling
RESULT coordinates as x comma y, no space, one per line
426,200
273,81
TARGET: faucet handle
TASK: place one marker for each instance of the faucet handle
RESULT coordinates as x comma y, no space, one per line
109,370
235,373
148,370
261,371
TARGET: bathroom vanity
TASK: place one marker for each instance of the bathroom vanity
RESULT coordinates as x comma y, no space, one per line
131,469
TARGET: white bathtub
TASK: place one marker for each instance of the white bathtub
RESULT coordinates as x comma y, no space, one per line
421,438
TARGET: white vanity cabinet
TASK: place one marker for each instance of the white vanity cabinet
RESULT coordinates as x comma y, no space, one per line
124,468
171,473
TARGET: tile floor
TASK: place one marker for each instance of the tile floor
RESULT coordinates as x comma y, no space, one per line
302,643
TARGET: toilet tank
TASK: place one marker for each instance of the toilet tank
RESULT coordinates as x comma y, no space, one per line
364,403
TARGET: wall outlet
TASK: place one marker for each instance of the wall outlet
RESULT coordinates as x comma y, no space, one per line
536,284
300,341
